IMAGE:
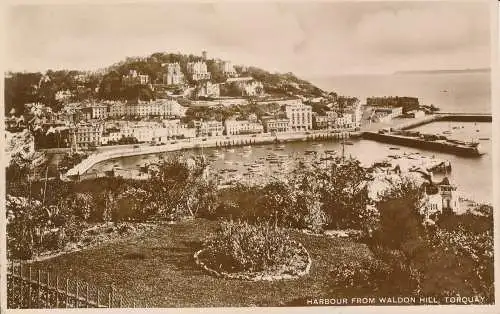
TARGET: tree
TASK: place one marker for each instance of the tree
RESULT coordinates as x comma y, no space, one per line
344,193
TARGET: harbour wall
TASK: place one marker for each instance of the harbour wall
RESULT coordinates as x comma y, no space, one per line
422,144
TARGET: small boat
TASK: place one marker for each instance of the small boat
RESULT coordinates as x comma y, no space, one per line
446,132
484,138
394,148
348,143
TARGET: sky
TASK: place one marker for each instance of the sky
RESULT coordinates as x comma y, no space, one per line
311,39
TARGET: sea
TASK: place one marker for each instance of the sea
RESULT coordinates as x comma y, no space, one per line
464,92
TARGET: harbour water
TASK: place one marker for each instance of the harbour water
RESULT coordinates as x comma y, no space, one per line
473,176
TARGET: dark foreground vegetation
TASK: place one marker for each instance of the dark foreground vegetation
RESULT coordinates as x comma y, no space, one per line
398,253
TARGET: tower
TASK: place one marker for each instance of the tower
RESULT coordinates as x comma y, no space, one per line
449,196
204,55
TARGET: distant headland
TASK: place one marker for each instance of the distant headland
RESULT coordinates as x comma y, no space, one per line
477,70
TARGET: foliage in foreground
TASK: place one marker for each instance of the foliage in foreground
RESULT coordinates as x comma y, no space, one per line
240,246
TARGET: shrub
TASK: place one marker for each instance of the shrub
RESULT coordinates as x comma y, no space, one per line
240,246
359,276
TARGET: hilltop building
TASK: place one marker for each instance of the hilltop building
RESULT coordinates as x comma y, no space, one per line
247,86
198,71
227,68
135,78
208,89
174,75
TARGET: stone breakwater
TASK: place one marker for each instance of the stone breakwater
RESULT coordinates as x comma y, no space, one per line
257,276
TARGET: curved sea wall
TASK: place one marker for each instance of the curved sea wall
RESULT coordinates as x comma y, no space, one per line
219,141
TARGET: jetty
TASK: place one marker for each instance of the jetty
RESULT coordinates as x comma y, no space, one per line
445,146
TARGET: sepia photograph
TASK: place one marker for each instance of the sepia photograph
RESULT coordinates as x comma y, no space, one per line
249,154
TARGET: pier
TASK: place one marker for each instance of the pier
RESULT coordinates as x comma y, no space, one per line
446,116
416,142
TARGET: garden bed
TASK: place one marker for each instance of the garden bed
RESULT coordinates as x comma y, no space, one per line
298,266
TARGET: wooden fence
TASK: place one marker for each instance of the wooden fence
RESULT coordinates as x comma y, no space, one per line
30,288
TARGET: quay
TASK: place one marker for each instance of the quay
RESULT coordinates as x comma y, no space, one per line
210,142
436,145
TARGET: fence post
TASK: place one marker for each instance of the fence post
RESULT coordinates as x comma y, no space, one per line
87,294
29,287
47,297
76,283
57,291
20,284
111,296
13,282
67,292
98,298
38,290
121,301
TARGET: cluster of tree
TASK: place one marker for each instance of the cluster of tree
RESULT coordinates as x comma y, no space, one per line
412,257
310,198
25,87
56,211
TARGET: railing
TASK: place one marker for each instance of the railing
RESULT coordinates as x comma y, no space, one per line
31,288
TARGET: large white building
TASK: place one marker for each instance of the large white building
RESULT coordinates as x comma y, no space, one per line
174,74
159,108
247,85
234,127
208,128
227,68
276,125
198,70
208,89
135,78
300,116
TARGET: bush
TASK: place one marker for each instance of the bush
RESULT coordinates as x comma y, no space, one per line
359,276
240,246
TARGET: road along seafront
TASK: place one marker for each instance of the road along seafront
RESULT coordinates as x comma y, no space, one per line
215,141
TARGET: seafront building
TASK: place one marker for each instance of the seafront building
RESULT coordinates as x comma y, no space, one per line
208,128
237,127
300,116
276,125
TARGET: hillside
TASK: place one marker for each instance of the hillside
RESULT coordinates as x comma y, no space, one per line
53,88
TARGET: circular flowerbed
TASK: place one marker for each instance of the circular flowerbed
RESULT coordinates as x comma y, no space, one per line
253,252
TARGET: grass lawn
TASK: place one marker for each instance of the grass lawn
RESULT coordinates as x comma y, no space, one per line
157,269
